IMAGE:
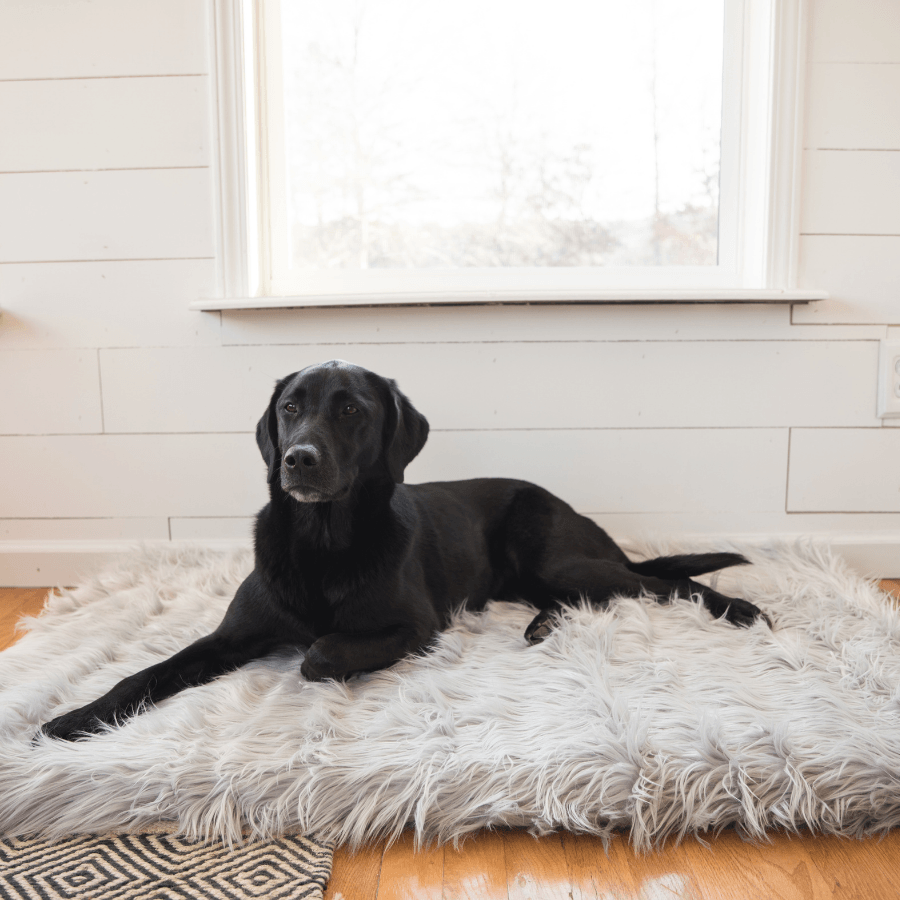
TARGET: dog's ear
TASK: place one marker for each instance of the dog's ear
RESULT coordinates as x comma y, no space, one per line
406,431
267,431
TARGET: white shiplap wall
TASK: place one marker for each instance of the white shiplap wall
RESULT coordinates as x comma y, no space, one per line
123,416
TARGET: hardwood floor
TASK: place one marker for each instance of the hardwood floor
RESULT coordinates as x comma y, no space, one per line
15,603
512,865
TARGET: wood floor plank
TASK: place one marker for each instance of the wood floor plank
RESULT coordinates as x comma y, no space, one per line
858,870
477,871
15,603
410,875
598,873
355,876
664,874
10,603
733,869
536,868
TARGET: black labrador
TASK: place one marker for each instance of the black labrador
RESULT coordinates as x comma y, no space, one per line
360,569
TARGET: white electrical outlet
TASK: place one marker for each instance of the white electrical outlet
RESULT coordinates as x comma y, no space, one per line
889,380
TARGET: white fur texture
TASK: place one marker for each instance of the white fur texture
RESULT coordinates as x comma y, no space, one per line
652,717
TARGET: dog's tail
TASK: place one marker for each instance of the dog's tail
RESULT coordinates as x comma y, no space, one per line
687,565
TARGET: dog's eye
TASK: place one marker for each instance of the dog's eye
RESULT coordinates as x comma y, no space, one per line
290,407
349,411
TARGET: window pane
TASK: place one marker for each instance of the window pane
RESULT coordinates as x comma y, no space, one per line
499,133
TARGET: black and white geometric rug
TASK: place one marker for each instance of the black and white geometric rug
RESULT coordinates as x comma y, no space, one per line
162,866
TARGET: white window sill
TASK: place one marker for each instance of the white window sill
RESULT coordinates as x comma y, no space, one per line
484,298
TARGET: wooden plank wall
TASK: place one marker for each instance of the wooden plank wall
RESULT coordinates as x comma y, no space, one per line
123,415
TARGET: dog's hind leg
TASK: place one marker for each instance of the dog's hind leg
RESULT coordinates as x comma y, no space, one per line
558,556
599,581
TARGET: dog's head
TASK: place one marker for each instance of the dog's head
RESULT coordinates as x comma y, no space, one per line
330,425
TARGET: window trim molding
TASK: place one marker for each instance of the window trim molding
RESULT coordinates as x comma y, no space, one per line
772,102
787,120
518,298
229,102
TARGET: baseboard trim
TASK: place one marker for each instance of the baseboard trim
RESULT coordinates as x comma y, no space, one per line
870,555
55,563
65,563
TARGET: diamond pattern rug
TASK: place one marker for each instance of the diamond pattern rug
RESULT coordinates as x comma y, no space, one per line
162,866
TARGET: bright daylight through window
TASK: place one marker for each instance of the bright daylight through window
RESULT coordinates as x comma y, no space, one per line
547,133
485,151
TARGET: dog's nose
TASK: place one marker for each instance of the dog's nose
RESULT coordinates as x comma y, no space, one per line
304,455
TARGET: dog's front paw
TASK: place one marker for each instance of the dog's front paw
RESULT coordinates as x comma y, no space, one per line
77,725
541,626
318,664
309,671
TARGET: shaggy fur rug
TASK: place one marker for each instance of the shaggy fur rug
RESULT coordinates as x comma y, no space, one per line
656,718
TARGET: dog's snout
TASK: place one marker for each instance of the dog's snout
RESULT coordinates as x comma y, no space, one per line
302,456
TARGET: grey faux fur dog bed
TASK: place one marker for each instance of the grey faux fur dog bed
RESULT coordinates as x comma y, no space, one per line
652,717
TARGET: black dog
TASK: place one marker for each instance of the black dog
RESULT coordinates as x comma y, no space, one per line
362,570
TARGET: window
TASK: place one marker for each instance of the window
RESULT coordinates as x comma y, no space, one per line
501,150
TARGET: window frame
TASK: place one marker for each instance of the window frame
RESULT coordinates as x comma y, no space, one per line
759,191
